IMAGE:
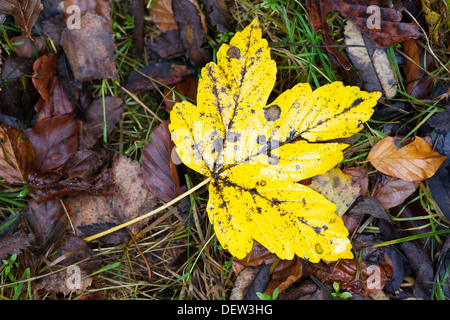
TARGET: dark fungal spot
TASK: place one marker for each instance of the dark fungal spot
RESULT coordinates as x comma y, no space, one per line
356,102
261,139
272,112
234,53
262,183
360,124
253,191
317,230
318,248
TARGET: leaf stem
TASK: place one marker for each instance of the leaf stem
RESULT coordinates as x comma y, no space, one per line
148,214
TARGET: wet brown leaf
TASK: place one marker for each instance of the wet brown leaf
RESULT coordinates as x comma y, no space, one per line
44,68
162,15
54,141
159,172
16,155
415,161
90,49
218,13
392,191
166,45
26,48
391,30
186,87
25,13
14,243
418,83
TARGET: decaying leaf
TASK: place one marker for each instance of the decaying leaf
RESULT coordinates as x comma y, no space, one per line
159,172
25,13
255,153
418,83
337,187
162,15
44,68
372,64
218,13
92,214
14,243
384,28
415,161
90,49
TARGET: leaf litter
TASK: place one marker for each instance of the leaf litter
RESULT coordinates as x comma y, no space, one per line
77,188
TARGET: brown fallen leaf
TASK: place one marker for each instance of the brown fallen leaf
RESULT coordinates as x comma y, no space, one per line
44,68
25,13
392,191
16,155
14,243
360,177
162,15
26,48
91,214
75,176
159,172
218,13
58,103
54,141
418,82
166,45
186,87
98,7
90,49
191,23
390,30
285,273
415,161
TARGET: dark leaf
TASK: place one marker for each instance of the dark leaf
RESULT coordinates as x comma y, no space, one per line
218,14
164,46
390,31
186,87
138,15
90,49
418,82
159,171
47,222
17,93
73,251
192,33
25,12
93,124
166,72
54,141
14,243
26,48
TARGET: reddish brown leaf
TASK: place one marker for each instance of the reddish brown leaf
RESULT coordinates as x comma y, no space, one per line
25,12
44,69
98,7
186,87
16,155
391,30
90,49
159,172
54,141
162,15
285,273
418,83
391,191
415,161
58,103
360,177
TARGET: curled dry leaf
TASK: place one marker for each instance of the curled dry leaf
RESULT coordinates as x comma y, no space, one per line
415,161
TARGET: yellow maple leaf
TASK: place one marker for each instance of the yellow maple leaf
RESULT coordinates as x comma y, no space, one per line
254,153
